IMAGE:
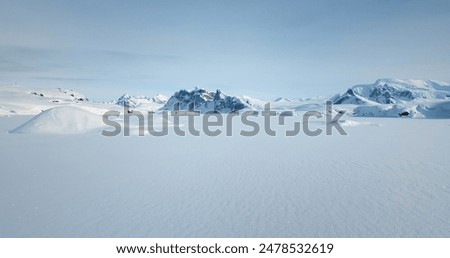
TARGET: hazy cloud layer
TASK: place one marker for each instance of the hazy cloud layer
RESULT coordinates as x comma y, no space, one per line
262,48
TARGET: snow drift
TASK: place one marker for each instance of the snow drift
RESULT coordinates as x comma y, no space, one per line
61,120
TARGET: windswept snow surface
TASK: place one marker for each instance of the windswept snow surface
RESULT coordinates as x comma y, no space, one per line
378,181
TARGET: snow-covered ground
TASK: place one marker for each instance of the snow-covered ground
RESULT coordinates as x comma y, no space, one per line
389,177
386,178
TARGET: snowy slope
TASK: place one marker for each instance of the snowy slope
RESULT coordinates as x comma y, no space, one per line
431,109
254,102
282,103
15,99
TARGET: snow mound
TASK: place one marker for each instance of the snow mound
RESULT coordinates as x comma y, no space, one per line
61,120
435,110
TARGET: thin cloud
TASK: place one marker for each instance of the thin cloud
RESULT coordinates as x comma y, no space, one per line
122,55
50,78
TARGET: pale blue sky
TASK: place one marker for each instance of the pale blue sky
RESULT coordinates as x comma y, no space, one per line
259,48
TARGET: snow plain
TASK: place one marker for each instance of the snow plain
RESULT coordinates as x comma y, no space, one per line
386,178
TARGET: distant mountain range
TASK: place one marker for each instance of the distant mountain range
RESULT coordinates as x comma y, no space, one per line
384,98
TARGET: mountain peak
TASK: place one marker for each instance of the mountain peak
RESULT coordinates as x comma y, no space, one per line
281,99
205,101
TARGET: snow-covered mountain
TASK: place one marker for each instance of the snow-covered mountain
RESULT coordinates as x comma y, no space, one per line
206,101
143,102
394,91
384,98
281,99
159,99
398,98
